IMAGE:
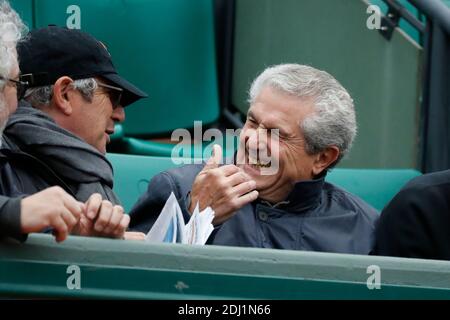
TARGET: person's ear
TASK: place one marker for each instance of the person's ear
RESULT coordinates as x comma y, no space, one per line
324,159
63,94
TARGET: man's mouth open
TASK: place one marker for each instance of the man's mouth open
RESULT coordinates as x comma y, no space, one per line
256,163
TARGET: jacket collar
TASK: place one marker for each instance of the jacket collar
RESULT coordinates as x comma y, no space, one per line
306,195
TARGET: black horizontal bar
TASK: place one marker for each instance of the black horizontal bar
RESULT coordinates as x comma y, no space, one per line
405,14
435,10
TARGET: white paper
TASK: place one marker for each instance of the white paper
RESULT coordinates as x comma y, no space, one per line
170,227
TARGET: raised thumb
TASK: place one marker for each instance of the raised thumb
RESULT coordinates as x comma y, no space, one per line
216,157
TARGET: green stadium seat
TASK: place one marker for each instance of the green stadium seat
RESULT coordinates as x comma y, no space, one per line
25,9
132,174
135,146
166,47
376,186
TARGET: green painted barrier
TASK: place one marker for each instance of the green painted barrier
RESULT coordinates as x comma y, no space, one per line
137,270
133,173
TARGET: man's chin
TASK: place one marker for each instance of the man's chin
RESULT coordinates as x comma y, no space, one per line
101,148
251,170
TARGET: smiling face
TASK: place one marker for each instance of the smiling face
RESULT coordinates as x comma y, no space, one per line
273,109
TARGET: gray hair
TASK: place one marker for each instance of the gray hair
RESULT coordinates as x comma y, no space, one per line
333,123
11,31
42,96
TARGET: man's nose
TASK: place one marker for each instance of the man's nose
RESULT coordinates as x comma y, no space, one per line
118,114
257,139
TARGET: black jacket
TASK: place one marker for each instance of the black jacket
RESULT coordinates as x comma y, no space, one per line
9,207
10,218
416,223
41,154
316,216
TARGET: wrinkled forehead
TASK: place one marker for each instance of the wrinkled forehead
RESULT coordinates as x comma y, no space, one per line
9,67
14,70
275,106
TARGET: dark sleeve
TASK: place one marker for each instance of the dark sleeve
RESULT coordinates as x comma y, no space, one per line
10,225
148,207
415,224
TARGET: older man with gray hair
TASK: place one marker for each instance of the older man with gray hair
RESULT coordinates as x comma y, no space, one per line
305,121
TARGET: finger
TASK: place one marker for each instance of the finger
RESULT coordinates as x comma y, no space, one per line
247,198
60,228
93,205
69,219
114,222
244,188
82,206
122,227
229,170
216,158
73,206
238,178
134,236
104,216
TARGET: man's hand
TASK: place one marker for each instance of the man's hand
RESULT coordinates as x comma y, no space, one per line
53,208
225,189
134,236
102,219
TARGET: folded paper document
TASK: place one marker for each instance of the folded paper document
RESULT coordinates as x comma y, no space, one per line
170,226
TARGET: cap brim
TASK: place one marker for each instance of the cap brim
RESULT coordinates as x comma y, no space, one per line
131,93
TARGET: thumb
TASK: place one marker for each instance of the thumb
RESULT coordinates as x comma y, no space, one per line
216,157
82,206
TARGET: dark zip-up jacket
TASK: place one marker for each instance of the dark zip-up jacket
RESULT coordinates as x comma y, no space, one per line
10,218
316,216
10,208
416,223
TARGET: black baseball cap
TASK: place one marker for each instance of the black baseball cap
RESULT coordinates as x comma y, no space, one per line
49,53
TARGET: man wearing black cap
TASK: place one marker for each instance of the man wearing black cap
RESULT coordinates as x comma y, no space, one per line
59,133
51,208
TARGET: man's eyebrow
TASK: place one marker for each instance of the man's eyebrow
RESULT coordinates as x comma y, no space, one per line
275,125
281,131
269,126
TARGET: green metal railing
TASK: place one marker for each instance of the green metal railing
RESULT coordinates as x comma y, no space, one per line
138,270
